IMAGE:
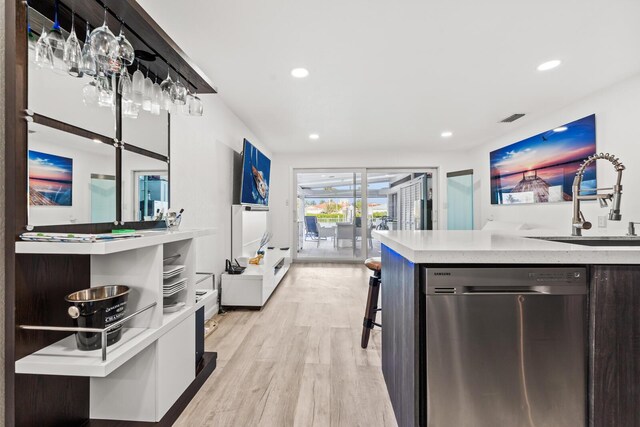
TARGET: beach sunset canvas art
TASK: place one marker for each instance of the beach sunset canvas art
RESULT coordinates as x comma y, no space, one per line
50,179
540,169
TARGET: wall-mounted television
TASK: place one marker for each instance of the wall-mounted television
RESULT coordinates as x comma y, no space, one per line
541,169
256,171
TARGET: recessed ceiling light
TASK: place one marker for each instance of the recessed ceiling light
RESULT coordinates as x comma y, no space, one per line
299,73
549,65
560,129
446,134
314,136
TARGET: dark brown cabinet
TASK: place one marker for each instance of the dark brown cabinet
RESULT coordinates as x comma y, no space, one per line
615,346
613,350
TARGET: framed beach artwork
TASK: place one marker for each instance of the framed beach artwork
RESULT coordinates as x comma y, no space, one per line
50,179
541,169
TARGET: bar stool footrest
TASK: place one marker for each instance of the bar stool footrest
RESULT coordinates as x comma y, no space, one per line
369,323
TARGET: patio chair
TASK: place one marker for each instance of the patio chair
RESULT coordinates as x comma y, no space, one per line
344,232
311,226
370,228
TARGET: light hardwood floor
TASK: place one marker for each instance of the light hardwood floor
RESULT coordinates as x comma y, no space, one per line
298,362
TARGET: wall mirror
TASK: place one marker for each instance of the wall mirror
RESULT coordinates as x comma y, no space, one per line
78,184
145,187
147,131
54,93
72,179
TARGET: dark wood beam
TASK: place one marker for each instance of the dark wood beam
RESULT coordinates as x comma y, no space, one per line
140,29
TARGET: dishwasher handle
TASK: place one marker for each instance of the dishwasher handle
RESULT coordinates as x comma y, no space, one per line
565,289
475,290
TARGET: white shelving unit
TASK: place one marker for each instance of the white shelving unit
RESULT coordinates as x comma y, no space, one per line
151,366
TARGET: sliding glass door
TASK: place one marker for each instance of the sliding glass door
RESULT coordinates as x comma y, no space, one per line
327,223
337,210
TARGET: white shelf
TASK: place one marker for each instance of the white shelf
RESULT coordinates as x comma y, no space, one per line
171,319
64,358
211,294
149,238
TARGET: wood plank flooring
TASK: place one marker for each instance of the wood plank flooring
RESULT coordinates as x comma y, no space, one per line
298,362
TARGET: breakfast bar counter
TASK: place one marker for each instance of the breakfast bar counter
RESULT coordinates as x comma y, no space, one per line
611,311
491,247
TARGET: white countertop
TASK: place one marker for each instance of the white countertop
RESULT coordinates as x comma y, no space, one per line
493,247
149,238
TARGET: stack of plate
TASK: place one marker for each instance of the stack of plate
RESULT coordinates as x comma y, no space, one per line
173,287
173,307
169,271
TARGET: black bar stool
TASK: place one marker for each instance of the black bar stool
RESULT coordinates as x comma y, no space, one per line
375,265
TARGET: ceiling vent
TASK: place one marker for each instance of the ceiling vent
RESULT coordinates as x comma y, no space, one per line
512,118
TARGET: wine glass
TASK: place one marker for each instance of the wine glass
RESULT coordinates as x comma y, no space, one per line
147,93
72,52
104,44
156,99
130,109
187,101
125,50
90,94
137,85
166,86
55,37
178,93
195,106
88,62
125,85
44,55
199,108
105,94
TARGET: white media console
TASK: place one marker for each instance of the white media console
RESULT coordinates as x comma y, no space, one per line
255,285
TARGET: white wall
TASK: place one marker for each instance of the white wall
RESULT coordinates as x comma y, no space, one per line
282,196
617,110
202,153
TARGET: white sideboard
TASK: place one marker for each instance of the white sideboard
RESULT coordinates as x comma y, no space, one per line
255,285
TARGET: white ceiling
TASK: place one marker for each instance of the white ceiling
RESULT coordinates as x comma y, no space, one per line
387,74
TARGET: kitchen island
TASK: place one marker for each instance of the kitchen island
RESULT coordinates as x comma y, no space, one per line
611,313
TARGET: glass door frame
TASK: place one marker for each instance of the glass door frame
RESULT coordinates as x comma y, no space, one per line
363,211
364,185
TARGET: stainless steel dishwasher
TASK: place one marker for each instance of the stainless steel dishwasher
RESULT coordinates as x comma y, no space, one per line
506,347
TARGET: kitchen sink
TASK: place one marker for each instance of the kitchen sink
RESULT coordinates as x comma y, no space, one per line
595,240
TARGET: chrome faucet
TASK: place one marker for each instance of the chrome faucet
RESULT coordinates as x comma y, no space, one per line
578,222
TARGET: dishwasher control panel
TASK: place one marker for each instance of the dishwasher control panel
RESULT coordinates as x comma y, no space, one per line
504,280
556,277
